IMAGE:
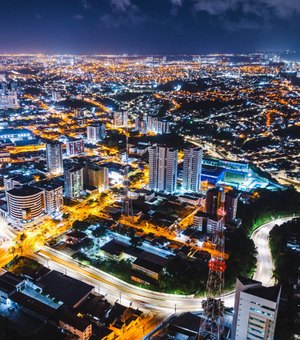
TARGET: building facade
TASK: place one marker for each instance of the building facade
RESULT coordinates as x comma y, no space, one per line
53,191
255,310
25,203
231,205
96,176
163,163
120,119
73,180
192,166
158,125
74,147
95,133
54,158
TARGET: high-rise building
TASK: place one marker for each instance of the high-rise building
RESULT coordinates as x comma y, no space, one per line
214,224
95,133
163,162
158,125
73,179
8,96
56,96
74,147
25,203
53,191
212,201
54,157
255,310
140,125
96,176
192,166
231,204
120,118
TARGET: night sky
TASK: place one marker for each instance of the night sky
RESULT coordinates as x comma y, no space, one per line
148,26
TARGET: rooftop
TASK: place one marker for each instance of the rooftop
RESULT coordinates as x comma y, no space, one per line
268,293
23,191
65,288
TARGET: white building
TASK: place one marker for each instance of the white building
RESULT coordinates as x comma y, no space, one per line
74,147
158,125
120,118
214,224
140,125
53,192
54,158
163,162
8,98
192,166
73,178
56,96
95,133
255,310
25,203
200,220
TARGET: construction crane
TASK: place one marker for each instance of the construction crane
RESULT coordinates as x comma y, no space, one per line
212,324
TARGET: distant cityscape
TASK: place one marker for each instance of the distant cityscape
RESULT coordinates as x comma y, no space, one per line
149,197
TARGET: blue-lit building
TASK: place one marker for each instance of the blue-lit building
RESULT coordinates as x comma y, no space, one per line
16,134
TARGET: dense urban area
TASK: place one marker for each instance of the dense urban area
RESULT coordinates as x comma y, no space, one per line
149,197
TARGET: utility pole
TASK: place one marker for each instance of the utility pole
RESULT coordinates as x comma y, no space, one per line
212,325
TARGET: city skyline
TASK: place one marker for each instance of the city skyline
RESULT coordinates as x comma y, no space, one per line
149,169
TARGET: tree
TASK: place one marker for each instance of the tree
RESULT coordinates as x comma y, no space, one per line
23,237
136,241
80,225
100,231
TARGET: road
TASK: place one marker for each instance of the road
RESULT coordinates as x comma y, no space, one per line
147,300
264,270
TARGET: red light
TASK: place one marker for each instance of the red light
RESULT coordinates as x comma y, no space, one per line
217,266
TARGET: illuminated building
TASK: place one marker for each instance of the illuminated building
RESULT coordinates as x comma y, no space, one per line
4,157
200,220
96,176
73,179
192,165
75,147
120,118
163,163
231,204
53,191
56,96
255,310
54,157
25,203
141,126
11,182
79,327
95,133
212,201
158,125
16,134
147,268
8,97
214,224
